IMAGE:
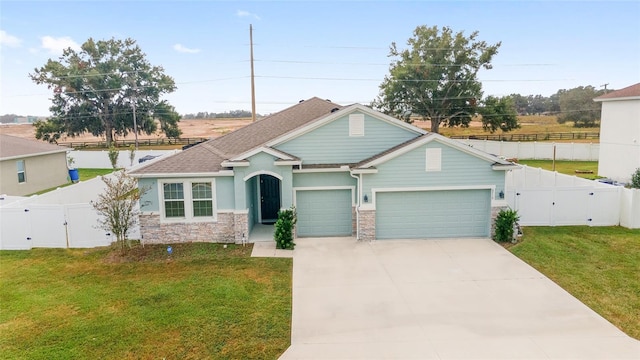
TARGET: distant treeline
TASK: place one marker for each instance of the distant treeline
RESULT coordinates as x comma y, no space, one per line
212,115
574,105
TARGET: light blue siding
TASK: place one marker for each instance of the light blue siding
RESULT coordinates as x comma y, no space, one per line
458,169
224,193
331,143
259,163
433,214
323,179
149,199
252,200
324,213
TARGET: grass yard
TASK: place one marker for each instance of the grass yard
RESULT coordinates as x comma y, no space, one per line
567,167
85,174
598,265
206,302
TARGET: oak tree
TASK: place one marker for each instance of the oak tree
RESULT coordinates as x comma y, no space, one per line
97,88
435,77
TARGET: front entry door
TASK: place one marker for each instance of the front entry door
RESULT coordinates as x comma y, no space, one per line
269,198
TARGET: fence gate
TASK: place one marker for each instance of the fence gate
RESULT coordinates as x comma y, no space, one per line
47,226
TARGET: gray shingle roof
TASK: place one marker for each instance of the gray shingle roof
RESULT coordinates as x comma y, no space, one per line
208,156
13,147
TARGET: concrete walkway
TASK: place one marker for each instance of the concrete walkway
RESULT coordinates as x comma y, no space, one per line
437,299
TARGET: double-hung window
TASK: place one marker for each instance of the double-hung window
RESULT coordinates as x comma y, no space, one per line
22,175
202,199
188,200
173,200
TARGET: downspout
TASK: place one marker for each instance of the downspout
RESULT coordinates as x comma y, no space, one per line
359,180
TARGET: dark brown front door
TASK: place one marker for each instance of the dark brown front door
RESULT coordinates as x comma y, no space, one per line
269,198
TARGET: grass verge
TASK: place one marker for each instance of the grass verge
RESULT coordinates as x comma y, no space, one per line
577,168
205,302
597,265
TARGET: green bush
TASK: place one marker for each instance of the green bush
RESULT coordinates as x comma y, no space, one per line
284,229
635,179
505,224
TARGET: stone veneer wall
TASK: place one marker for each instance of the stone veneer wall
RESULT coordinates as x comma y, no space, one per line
367,225
241,227
354,221
224,230
494,214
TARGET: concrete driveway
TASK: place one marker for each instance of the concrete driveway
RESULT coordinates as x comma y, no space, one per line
437,299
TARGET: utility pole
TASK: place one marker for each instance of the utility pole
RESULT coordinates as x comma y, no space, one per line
605,87
135,124
253,82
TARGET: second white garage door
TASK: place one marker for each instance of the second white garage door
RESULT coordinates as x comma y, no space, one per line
433,214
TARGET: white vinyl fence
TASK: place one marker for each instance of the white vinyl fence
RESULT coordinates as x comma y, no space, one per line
537,150
546,198
63,218
100,159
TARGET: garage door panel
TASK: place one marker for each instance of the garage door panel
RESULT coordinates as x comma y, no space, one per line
324,213
433,214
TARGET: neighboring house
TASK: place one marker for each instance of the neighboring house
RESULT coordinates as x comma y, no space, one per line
620,133
348,171
28,166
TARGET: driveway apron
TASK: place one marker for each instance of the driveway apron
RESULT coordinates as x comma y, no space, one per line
437,299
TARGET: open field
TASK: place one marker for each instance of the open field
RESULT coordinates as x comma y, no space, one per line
597,265
577,168
206,302
211,128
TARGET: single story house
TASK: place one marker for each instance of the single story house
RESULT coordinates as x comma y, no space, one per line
348,170
28,166
619,155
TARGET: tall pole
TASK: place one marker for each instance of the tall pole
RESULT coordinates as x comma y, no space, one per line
135,124
253,82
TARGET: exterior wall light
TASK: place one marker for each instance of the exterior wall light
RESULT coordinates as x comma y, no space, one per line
501,194
366,198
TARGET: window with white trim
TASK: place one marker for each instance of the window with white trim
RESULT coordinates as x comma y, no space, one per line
22,174
202,199
188,200
433,159
356,125
173,200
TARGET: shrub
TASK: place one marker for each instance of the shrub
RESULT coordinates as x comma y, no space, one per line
284,229
113,156
635,179
505,225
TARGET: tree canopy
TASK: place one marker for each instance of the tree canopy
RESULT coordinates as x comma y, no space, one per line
577,105
498,113
95,90
436,77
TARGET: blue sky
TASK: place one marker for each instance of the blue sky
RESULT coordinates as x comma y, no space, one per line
334,50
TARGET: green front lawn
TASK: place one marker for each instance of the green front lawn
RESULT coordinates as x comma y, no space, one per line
598,265
567,167
206,302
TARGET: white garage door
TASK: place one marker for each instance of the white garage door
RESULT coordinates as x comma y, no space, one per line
433,214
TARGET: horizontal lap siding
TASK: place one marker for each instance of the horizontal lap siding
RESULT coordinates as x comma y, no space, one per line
331,143
458,169
323,179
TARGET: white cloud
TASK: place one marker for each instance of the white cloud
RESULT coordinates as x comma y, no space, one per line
183,49
243,13
9,40
57,45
